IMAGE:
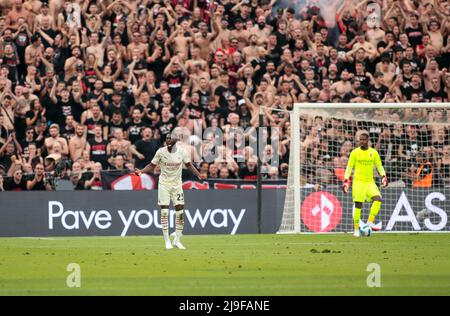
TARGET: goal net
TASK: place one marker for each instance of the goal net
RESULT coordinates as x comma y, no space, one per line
413,141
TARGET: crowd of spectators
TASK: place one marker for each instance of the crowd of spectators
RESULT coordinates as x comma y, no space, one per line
413,145
92,85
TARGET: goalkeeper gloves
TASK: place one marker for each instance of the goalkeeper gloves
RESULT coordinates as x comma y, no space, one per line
346,185
384,181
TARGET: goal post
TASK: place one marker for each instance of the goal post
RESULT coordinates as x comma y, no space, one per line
413,140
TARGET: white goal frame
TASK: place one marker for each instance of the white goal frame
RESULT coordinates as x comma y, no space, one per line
295,141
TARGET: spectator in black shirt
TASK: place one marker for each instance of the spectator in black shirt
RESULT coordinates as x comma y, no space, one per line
17,182
29,139
248,172
166,124
222,92
36,113
378,89
66,104
95,120
415,87
6,152
38,182
116,122
414,31
211,112
97,147
135,126
77,176
144,150
435,94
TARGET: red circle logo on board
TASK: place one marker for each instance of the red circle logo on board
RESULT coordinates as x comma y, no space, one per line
321,212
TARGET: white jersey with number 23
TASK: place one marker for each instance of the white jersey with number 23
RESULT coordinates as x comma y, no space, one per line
171,165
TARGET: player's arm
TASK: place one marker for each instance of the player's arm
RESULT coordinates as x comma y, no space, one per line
194,170
380,169
151,166
348,172
147,169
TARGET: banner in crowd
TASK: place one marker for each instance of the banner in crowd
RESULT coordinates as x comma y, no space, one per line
125,213
122,180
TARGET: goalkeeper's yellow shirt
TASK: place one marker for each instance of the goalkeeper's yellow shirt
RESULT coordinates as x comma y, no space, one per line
363,161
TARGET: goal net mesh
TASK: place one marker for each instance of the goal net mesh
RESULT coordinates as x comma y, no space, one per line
413,141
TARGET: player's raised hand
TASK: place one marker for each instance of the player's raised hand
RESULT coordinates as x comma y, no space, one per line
137,171
346,185
201,177
385,181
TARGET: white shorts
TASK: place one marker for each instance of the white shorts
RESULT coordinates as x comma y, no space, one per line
172,193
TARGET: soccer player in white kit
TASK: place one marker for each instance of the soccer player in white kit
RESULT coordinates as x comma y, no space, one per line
171,159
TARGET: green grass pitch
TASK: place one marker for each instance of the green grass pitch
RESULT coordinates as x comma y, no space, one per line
411,264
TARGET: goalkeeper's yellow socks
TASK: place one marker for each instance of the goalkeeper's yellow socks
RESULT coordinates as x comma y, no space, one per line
356,217
179,223
376,206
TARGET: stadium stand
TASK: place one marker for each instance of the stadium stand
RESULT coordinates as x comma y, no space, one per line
96,85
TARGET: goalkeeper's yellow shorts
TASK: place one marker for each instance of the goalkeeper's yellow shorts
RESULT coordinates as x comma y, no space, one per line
364,191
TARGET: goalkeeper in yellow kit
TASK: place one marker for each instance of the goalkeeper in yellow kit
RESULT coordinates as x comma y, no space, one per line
363,159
